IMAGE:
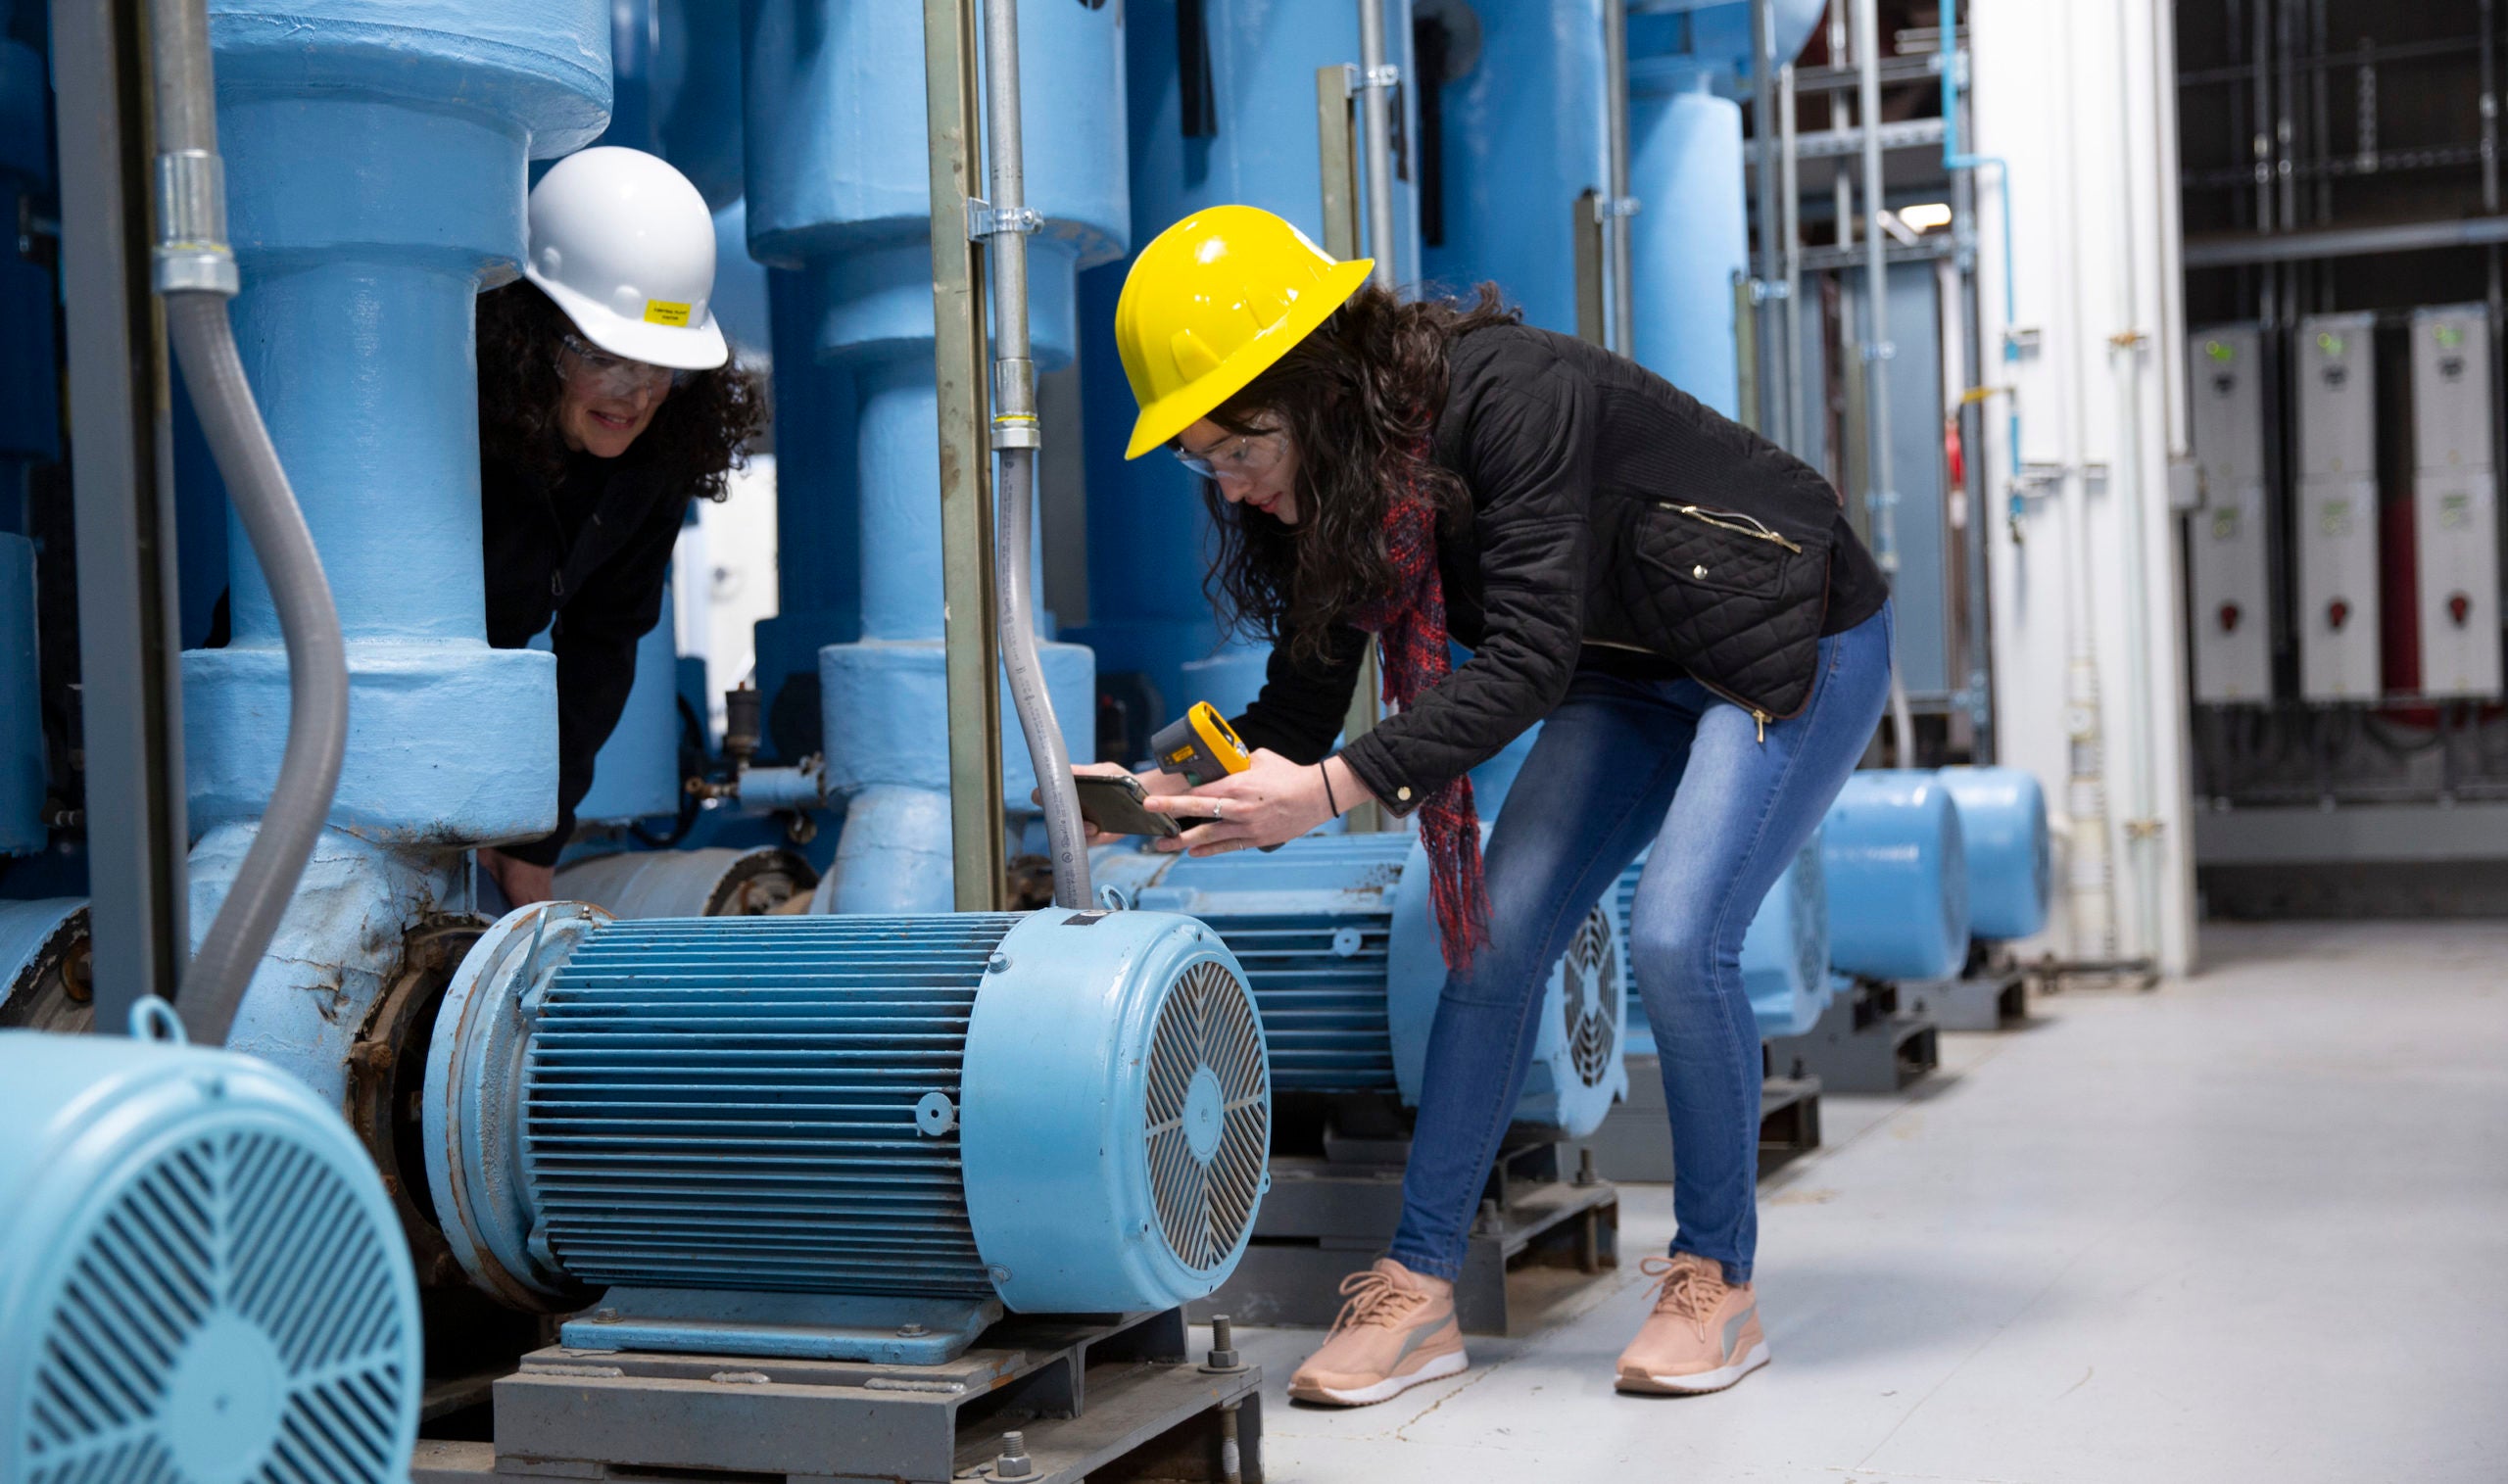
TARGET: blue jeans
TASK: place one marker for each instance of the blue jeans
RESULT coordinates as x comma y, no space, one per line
1621,763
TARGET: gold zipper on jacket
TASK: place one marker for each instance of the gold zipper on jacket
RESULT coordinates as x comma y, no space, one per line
1729,520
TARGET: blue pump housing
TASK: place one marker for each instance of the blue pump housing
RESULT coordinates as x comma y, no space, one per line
2003,827
1785,951
1068,1111
201,1278
1339,943
1898,878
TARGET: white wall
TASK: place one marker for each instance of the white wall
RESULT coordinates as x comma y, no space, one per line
723,582
2077,96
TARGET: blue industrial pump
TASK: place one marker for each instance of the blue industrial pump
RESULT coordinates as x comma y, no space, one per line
714,881
848,1138
202,1280
1339,942
2003,831
1898,872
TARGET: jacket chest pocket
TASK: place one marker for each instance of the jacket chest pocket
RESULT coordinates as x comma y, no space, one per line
1695,546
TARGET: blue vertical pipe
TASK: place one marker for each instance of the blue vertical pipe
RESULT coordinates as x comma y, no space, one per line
818,546
375,156
1685,163
1148,538
1525,136
636,774
838,187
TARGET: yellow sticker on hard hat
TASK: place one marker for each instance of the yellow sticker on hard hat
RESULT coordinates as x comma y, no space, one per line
663,311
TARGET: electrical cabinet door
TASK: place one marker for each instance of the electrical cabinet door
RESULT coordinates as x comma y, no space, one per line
2226,562
2451,408
2225,371
2455,526
2338,609
2336,361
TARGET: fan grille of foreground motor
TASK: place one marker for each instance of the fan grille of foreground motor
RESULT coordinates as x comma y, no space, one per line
195,1339
1209,1116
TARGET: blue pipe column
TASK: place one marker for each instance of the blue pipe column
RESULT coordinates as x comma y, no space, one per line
839,186
1147,533
1523,134
818,522
364,222
29,434
1685,163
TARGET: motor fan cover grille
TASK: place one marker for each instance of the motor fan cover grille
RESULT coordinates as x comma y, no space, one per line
1589,980
231,1315
1209,1111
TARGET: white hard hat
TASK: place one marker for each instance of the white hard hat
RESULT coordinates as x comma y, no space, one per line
624,245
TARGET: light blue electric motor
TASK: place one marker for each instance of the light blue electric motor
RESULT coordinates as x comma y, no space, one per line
1340,941
202,1280
1785,952
1898,873
1059,1112
2002,827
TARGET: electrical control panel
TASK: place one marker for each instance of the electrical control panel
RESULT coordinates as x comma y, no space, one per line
2229,552
2334,360
2455,524
2335,531
2337,607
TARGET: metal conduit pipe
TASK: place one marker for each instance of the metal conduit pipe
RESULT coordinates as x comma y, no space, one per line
1015,438
1622,323
1377,81
195,271
1881,491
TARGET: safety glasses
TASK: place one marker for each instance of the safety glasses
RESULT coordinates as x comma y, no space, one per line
1247,455
613,375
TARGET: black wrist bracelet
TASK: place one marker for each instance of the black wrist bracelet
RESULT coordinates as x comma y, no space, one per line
1328,789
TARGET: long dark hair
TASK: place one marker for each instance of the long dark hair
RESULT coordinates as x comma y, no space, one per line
698,436
1358,398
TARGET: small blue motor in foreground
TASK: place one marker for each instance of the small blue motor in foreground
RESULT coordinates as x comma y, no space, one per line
918,1120
1898,873
201,1278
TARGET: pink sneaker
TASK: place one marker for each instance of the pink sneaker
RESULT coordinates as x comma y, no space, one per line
1704,1334
1397,1330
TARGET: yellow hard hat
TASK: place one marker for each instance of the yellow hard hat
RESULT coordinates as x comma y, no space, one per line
1211,303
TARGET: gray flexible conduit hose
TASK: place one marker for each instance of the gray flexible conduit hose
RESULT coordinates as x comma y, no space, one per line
1065,833
195,272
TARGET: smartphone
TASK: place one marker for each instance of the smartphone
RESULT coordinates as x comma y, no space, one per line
1112,802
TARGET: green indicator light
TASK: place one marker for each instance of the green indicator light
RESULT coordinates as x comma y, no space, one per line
2219,352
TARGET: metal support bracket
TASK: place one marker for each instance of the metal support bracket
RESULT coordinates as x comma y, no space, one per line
1384,74
984,220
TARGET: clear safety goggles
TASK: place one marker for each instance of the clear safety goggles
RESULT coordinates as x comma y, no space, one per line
613,375
1247,455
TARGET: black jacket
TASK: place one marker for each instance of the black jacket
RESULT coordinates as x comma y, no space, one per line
1615,522
591,554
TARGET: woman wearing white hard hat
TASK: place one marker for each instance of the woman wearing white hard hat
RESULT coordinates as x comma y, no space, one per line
606,402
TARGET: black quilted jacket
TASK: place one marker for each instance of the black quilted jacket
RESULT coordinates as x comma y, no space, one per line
1615,522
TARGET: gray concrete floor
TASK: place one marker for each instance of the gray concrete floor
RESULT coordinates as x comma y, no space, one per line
2251,1226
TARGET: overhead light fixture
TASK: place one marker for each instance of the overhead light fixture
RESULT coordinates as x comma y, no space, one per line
1926,216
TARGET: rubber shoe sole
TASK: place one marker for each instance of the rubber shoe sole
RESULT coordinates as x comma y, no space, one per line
1698,1383
1451,1363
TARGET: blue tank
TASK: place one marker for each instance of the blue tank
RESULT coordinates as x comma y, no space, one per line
201,1276
1339,944
1061,1111
1897,875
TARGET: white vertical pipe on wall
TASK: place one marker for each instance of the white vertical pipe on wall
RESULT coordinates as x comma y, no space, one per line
2084,588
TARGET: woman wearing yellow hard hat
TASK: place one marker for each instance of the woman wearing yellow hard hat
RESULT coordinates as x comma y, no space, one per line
1681,605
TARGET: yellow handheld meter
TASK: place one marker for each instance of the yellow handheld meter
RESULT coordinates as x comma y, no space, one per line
1200,747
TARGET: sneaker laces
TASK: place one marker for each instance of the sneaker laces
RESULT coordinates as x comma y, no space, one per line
1374,1302
1690,1289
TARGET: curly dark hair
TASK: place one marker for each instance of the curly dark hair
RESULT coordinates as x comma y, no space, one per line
699,435
1358,398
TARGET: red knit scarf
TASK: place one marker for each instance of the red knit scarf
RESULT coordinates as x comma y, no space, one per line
1409,623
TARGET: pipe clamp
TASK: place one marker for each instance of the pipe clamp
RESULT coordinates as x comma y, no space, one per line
984,220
